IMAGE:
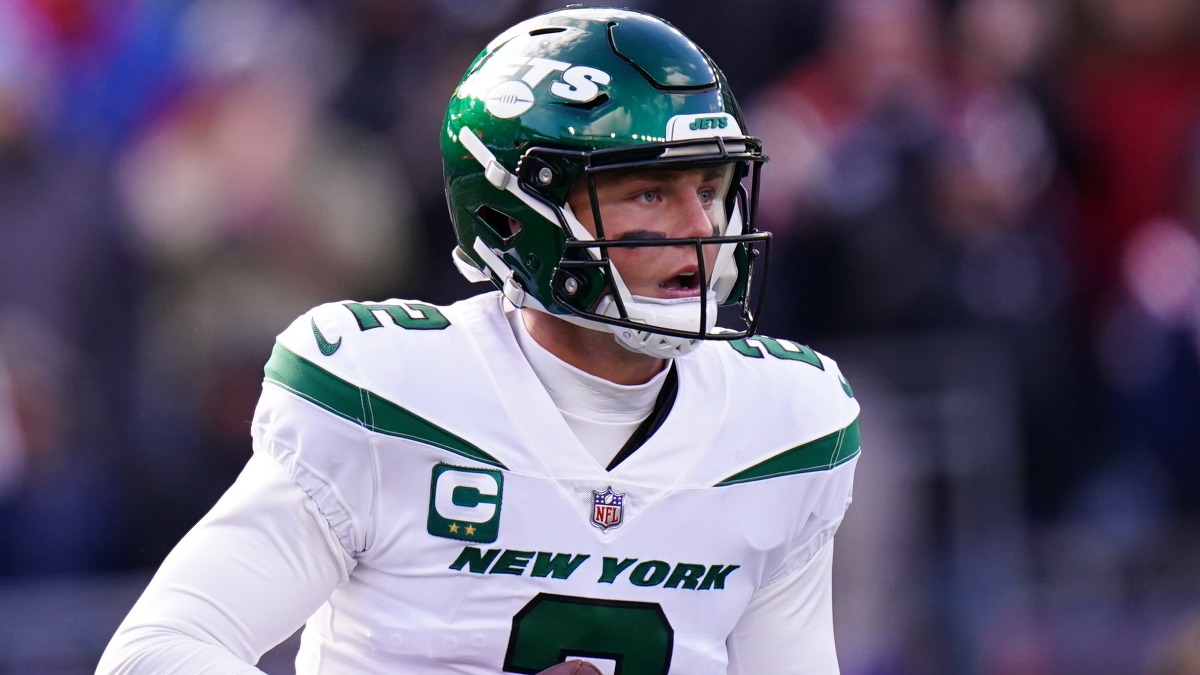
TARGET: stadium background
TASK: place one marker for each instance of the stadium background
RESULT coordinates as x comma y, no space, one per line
987,210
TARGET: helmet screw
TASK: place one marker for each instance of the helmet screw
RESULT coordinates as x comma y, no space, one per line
571,285
545,176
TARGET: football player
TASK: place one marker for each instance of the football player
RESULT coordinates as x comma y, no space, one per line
582,465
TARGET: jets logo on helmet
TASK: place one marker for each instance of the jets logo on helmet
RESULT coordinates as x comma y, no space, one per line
508,83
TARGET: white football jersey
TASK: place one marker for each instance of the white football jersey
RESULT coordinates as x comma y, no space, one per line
486,538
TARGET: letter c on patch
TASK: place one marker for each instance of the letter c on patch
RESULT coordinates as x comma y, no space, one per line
467,496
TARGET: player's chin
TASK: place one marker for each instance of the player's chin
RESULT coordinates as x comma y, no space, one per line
571,668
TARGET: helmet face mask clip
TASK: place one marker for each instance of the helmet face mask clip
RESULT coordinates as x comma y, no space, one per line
552,106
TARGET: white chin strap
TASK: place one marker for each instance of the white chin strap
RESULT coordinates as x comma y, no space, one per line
675,313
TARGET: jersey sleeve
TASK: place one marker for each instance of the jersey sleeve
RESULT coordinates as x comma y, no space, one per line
322,446
824,464
239,583
788,626
278,543
829,499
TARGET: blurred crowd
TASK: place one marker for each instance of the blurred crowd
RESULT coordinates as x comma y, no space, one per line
181,178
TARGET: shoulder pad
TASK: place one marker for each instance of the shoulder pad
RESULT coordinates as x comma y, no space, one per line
319,334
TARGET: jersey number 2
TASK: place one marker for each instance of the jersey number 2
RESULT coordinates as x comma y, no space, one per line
551,628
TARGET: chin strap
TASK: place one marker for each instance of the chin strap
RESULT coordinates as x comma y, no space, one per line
637,341
681,314
654,344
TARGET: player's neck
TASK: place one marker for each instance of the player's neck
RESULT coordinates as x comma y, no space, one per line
592,351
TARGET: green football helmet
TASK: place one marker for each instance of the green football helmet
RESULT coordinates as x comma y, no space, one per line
561,98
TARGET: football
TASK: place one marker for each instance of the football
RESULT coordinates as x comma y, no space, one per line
571,668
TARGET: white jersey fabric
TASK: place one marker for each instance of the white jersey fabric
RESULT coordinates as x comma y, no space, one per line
418,502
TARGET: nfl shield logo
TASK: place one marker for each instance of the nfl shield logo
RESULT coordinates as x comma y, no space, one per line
607,508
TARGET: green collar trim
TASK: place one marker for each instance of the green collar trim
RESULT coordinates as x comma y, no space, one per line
820,455
375,413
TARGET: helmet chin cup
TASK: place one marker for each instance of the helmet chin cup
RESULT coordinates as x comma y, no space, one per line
653,344
680,314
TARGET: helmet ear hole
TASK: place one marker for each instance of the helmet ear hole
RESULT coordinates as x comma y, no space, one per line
503,225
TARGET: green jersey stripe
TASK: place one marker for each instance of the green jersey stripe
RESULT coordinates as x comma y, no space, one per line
307,380
824,453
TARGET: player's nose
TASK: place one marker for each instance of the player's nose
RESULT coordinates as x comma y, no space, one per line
693,220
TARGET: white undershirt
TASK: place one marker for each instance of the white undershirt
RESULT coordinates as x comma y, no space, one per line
602,414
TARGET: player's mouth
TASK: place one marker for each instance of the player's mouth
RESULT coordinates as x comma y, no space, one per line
686,283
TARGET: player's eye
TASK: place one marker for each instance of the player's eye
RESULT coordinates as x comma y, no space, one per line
648,196
708,196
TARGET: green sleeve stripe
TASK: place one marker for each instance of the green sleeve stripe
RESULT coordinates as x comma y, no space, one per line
819,455
305,379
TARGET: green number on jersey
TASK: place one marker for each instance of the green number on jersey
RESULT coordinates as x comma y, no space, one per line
414,315
780,349
551,628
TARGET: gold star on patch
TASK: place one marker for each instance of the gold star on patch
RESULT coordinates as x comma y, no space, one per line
470,531
454,528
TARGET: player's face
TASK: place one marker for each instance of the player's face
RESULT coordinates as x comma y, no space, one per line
656,204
